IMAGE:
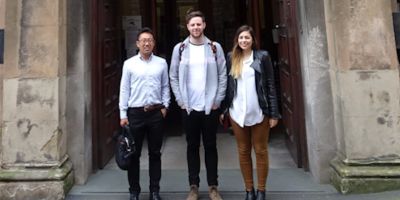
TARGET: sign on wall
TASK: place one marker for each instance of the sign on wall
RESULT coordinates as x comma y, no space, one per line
1,46
131,25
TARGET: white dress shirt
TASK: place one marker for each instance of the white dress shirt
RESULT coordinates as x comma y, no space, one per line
143,83
245,110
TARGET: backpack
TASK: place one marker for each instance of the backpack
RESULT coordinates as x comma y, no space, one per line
212,46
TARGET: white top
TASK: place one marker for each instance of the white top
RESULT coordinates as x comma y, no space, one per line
197,77
245,110
143,82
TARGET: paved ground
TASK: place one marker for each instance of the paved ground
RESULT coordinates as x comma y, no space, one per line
285,181
283,184
174,153
239,196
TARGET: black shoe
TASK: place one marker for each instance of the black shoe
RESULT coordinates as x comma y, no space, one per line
250,195
134,196
155,196
260,195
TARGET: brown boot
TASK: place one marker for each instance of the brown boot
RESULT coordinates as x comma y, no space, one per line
193,193
214,194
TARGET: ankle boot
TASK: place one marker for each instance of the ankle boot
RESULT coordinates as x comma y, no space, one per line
260,195
250,195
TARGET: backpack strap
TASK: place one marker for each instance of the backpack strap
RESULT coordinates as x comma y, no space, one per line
214,49
212,46
181,48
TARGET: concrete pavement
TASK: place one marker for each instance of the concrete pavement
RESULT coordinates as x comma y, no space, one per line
285,181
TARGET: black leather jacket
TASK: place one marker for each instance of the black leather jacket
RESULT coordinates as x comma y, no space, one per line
265,85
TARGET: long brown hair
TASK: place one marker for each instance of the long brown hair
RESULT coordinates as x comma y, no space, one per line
237,52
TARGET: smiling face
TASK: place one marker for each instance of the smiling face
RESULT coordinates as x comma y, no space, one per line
145,43
196,27
245,41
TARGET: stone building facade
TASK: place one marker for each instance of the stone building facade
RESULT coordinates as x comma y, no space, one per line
350,81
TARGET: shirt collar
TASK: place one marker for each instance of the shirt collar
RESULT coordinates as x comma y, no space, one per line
150,58
250,59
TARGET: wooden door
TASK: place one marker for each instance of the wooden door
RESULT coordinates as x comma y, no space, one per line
106,73
291,82
254,19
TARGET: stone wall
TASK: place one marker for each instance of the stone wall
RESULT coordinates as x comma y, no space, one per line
78,111
2,13
318,103
366,90
2,25
34,138
34,79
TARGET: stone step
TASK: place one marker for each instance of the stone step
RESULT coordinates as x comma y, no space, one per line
282,184
395,195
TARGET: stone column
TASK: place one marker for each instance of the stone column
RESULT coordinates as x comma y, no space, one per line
318,104
2,18
365,84
79,126
34,163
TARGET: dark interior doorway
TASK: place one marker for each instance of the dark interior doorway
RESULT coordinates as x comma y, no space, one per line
169,22
167,19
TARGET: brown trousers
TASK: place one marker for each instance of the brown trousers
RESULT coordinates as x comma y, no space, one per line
248,137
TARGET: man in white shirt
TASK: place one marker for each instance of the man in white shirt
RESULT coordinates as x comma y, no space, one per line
198,81
143,102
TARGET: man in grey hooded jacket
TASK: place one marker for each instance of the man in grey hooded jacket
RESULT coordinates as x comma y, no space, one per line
198,79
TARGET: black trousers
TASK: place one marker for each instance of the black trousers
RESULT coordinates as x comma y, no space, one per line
150,124
199,126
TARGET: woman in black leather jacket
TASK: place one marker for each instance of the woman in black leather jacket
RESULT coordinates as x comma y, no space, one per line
252,107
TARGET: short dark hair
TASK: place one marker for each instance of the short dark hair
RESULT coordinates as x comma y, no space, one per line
145,30
194,13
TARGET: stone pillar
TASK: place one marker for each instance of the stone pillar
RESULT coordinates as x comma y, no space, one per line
2,14
365,84
2,18
79,125
34,163
318,104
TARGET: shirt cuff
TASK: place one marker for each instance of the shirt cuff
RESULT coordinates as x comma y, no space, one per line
123,114
166,105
